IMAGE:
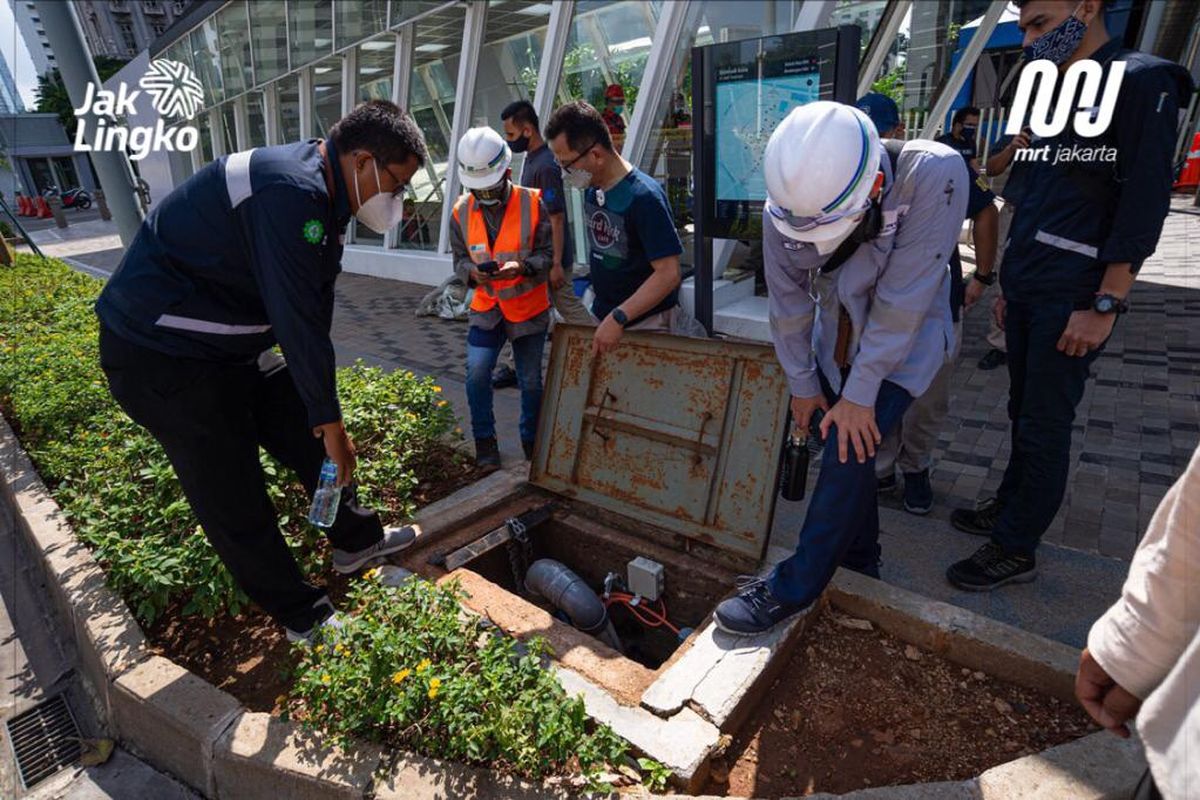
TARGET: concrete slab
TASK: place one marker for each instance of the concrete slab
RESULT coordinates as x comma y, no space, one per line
172,718
262,757
1096,767
418,778
962,636
681,743
123,777
958,790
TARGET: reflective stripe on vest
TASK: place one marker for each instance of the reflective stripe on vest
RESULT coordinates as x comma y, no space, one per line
520,298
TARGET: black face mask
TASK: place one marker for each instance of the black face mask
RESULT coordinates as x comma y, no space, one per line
520,144
492,195
867,229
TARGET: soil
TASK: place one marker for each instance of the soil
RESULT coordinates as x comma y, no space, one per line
858,708
248,654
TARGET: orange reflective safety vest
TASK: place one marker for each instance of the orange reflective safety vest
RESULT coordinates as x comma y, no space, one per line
521,298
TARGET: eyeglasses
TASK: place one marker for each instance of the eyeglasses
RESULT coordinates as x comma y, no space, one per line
805,224
582,153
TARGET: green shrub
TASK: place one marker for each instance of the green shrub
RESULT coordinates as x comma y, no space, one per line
409,669
113,480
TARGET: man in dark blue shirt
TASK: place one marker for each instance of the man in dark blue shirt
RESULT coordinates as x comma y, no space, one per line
541,172
633,248
241,257
1088,216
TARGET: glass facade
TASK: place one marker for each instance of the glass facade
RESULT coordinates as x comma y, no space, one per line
327,96
269,40
356,21
508,62
262,55
310,30
431,100
234,32
288,123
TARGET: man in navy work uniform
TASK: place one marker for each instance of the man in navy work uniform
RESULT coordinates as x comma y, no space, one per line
859,305
633,249
239,258
1081,231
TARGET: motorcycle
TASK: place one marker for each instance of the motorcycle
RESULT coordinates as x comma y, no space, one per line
72,198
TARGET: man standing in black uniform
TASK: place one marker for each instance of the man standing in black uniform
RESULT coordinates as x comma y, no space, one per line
241,257
1079,235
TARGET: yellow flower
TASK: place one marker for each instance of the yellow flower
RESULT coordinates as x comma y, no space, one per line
442,403
341,650
325,679
399,677
370,574
437,389
424,665
318,649
434,685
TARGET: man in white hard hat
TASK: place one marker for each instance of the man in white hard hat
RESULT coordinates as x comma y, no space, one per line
856,241
501,240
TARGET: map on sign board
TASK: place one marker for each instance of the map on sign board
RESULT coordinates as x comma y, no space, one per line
747,112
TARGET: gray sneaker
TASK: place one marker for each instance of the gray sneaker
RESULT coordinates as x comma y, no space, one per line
394,539
330,624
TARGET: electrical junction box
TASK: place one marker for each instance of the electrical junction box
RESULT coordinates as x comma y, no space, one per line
645,578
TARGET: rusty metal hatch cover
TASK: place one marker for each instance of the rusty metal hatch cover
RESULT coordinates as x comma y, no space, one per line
683,434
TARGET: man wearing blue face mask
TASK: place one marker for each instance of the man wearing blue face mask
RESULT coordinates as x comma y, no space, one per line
1082,229
241,257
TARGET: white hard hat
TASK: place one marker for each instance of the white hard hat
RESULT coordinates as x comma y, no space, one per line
820,166
483,157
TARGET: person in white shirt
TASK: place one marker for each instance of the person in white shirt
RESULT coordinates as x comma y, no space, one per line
1143,655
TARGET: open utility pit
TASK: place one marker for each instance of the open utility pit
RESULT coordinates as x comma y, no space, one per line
593,551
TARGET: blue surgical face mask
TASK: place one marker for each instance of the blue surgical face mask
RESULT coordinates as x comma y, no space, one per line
1059,44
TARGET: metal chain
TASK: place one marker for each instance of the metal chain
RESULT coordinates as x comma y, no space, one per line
520,550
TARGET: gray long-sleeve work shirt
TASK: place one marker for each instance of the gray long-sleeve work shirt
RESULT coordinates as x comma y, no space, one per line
895,288
537,263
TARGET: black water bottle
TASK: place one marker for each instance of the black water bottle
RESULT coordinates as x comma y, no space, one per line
795,465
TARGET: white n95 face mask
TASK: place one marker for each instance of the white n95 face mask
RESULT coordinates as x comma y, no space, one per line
382,211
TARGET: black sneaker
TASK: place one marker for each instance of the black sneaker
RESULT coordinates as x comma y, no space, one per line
993,358
503,377
487,452
753,609
918,493
980,520
887,484
990,568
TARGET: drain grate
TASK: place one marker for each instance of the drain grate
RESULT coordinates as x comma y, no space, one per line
44,739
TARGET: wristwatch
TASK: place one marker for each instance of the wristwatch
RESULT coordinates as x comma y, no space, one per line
1109,304
986,280
619,317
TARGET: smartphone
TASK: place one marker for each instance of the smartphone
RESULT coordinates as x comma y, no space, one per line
489,267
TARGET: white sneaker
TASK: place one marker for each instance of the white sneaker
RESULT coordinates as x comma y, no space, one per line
394,539
332,623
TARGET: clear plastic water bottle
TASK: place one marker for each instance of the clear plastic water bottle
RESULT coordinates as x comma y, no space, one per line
327,496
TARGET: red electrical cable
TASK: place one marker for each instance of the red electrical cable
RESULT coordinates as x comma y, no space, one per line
661,617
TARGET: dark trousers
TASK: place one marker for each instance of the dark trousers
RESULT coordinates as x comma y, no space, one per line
211,419
1045,386
841,525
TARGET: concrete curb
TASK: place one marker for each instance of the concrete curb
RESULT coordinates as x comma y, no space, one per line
184,726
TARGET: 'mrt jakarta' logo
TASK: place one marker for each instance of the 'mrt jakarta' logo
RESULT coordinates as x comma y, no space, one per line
177,94
1079,102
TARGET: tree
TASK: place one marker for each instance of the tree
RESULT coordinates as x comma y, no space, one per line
52,95
891,84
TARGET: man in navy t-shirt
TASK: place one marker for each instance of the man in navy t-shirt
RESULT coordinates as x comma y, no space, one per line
633,249
541,172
